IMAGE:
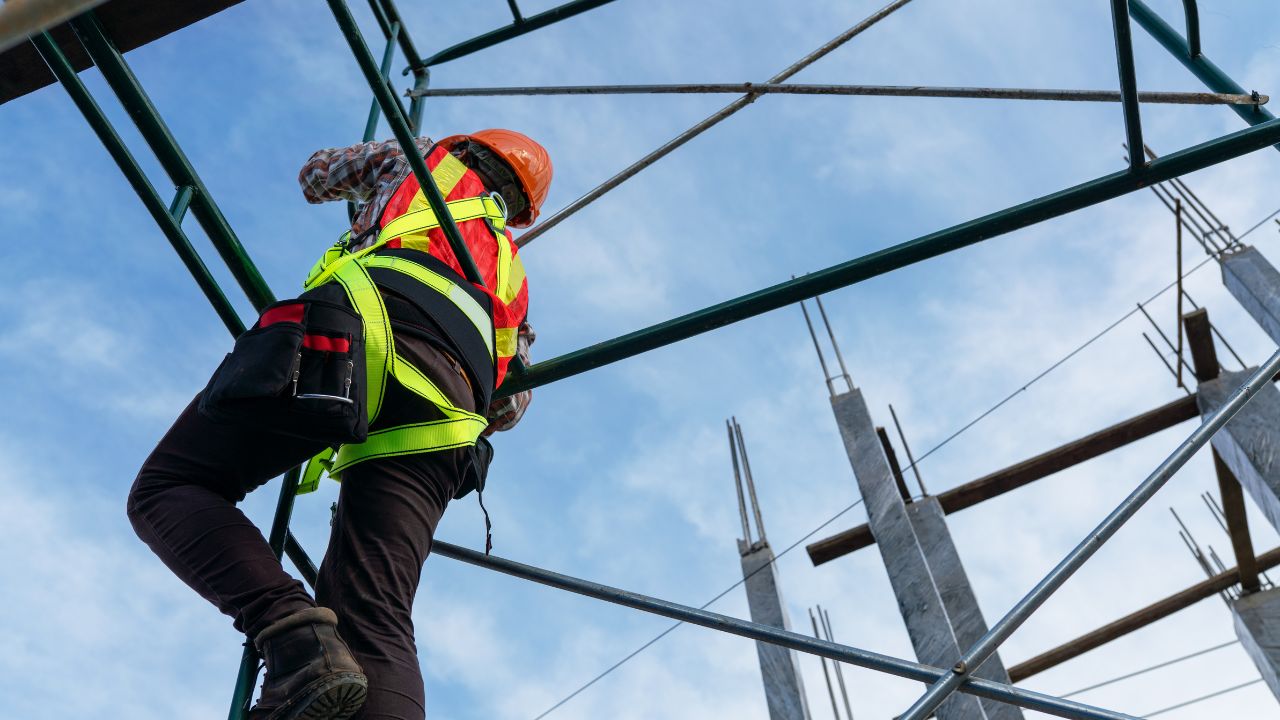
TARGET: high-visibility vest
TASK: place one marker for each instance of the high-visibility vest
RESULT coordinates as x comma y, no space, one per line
489,242
384,367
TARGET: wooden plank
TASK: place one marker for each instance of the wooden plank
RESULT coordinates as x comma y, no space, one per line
1025,472
130,23
1237,525
1136,620
1204,357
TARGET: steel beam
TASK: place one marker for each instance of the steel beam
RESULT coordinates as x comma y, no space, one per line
151,200
916,91
893,258
176,165
754,631
521,26
934,596
1193,27
1025,472
1128,81
1191,58
400,127
939,692
1137,620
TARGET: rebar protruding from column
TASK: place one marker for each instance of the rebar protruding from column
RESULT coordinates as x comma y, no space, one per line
831,693
1174,348
910,458
751,483
737,483
817,347
1199,211
835,345
1196,552
844,691
822,360
1178,276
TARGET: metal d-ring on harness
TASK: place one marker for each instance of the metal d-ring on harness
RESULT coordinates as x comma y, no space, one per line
458,427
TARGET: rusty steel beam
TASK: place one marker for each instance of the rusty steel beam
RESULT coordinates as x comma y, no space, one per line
1136,620
1025,472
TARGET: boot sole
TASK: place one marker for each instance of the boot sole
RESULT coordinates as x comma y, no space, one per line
335,697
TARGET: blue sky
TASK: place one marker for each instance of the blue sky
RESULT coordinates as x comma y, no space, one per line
621,474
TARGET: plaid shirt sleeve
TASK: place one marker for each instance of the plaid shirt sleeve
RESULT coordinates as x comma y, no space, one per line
505,412
352,173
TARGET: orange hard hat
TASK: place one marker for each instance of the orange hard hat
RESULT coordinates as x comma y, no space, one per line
530,161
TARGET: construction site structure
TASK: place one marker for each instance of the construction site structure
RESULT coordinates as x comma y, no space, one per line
779,667
924,567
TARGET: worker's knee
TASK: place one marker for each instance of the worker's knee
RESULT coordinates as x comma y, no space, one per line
147,488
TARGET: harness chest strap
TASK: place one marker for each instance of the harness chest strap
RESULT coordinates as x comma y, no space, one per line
458,427
415,222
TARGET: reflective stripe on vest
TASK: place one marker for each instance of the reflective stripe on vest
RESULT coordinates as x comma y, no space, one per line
458,427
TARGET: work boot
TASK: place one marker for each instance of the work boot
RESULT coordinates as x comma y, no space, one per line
311,673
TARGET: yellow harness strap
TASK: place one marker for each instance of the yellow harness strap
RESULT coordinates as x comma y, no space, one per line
458,427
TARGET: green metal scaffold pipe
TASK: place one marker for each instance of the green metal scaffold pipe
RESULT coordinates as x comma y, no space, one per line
893,258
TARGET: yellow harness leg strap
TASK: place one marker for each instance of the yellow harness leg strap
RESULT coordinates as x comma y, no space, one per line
458,428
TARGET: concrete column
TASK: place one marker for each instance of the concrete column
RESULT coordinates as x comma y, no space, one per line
933,591
1250,446
779,666
1250,443
1257,620
1255,283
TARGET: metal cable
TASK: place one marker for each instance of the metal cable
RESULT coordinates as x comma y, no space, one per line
1136,673
704,606
1202,698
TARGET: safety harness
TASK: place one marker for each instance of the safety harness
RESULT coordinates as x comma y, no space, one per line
420,274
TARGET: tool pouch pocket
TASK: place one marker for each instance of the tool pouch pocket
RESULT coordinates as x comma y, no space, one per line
478,459
299,371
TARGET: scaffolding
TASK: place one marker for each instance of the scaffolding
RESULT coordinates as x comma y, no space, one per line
65,51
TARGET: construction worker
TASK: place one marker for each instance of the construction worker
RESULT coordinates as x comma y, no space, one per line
382,372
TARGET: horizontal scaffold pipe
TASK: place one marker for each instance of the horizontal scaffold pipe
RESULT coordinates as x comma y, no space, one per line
705,124
893,258
924,91
520,27
766,633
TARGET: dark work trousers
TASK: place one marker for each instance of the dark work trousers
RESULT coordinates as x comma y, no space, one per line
183,505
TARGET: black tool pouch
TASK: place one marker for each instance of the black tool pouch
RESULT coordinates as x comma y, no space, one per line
299,371
478,459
